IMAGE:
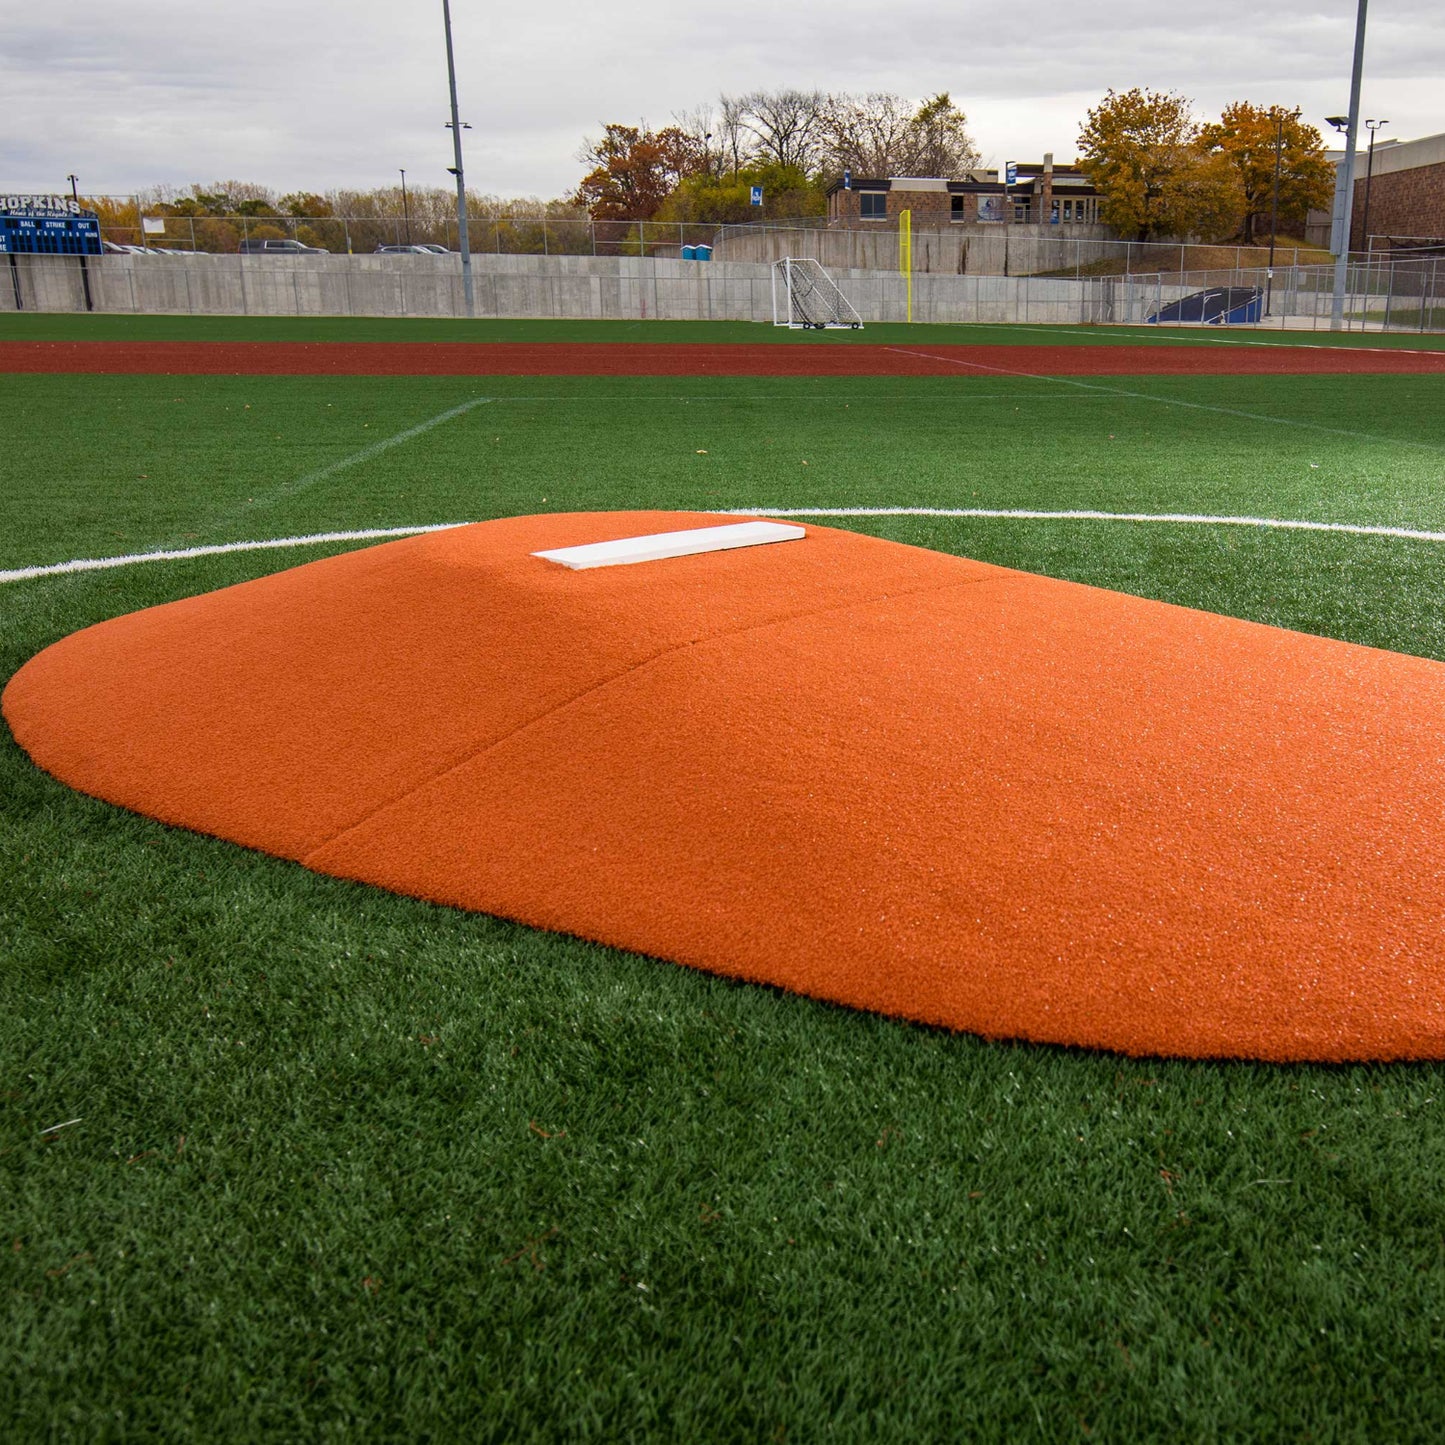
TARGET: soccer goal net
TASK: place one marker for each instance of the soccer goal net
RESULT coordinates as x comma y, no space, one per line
805,295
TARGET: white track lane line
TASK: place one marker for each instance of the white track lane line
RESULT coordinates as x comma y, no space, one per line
1363,436
318,539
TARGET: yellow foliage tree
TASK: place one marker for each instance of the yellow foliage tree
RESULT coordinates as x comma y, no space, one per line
1143,153
1248,138
119,218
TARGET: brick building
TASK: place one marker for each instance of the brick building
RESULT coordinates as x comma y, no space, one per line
1406,193
1406,196
1042,194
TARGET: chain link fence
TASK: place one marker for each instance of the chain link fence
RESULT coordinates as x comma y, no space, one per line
962,248
497,235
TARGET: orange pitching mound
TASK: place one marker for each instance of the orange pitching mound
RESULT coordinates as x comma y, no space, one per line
869,773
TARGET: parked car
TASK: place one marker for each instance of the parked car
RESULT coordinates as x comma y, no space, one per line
251,245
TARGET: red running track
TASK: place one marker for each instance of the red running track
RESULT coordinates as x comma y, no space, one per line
307,358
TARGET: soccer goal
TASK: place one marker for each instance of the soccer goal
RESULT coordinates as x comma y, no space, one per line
805,295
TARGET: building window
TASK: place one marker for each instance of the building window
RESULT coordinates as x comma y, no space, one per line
873,205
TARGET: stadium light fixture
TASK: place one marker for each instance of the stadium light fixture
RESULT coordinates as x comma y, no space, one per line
1373,126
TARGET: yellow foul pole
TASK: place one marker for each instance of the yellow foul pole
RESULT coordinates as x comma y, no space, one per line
905,255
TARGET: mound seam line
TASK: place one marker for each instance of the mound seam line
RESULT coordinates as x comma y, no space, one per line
1001,576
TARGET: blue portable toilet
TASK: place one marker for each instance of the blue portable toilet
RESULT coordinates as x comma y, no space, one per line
704,253
689,253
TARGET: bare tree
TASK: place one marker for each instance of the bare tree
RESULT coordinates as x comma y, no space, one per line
699,125
735,141
941,144
867,134
885,135
785,125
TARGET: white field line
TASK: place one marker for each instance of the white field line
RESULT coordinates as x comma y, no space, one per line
1170,400
180,554
281,493
290,489
1284,524
1143,333
792,398
1198,519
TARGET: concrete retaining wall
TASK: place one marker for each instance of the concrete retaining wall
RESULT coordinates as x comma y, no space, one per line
522,286
961,250
584,287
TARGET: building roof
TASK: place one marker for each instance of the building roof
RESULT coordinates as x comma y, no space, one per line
1396,155
981,182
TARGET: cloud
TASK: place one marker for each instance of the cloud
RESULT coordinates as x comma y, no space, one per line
335,95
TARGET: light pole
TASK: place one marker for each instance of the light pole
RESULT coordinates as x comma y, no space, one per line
457,127
84,269
1372,126
405,213
1279,119
1345,178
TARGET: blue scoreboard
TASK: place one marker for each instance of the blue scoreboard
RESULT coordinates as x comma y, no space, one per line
49,225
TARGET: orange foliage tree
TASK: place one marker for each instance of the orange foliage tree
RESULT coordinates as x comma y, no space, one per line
635,170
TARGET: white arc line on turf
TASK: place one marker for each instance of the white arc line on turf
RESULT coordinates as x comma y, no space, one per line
1197,519
318,539
1363,436
180,554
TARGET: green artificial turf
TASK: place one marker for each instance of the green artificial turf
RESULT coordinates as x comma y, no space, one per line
350,1165
68,326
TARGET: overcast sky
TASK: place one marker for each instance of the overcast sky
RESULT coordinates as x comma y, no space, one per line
319,94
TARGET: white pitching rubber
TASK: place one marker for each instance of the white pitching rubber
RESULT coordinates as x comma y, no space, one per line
657,545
